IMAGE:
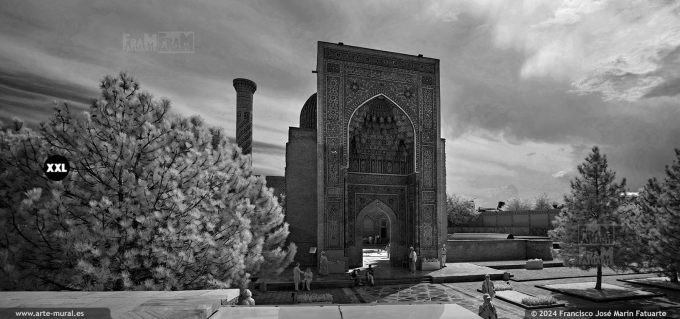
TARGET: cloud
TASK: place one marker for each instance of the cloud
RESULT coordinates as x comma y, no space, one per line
560,174
517,77
623,50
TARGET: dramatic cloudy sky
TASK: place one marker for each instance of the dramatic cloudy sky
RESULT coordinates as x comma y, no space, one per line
527,87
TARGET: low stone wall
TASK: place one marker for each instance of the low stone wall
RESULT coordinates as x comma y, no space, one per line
522,223
501,249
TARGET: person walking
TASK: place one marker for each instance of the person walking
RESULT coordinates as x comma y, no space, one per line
412,258
370,275
487,310
296,275
308,279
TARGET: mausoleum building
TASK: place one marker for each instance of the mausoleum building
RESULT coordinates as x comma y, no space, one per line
367,159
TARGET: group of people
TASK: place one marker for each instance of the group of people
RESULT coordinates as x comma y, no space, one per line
307,275
305,278
374,239
370,276
487,310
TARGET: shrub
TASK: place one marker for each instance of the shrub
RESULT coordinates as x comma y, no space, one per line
539,301
503,286
315,298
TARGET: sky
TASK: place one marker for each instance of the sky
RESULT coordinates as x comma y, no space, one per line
528,87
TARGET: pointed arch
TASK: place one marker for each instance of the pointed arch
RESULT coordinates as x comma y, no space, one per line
401,109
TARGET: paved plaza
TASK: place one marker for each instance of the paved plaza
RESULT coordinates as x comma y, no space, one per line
466,295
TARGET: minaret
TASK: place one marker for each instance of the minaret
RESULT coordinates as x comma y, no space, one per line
244,114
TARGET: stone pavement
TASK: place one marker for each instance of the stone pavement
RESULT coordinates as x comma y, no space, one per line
127,304
418,293
465,294
670,302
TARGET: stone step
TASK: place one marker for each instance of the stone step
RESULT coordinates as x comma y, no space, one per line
282,285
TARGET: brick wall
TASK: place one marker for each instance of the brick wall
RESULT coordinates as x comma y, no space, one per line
301,192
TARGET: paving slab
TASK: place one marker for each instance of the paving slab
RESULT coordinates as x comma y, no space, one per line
283,312
127,304
609,292
406,311
461,272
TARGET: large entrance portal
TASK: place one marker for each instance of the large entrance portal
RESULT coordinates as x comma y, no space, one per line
381,159
379,169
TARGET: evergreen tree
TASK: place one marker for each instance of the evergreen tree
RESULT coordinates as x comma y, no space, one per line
153,201
656,223
594,200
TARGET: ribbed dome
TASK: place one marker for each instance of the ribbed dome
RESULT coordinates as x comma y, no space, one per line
308,113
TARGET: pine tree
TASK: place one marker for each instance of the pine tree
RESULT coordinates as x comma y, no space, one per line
658,223
153,201
594,200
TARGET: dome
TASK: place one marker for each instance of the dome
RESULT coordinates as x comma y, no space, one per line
308,113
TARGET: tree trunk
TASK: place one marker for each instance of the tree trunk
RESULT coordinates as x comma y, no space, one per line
598,284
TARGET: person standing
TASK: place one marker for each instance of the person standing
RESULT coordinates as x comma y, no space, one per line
323,264
412,258
488,287
296,275
308,279
370,240
387,249
443,257
487,310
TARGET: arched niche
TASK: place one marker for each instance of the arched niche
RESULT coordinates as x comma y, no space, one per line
381,138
